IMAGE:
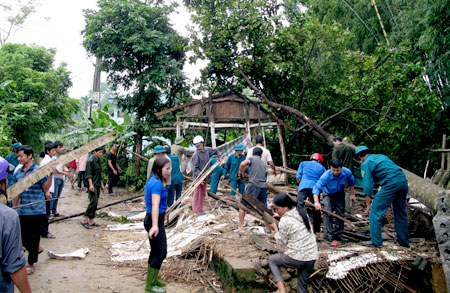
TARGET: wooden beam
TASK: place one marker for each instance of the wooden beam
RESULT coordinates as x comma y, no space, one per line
283,150
444,142
178,130
20,186
212,113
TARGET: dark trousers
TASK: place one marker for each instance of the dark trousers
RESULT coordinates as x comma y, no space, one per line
112,181
45,224
158,244
393,194
82,178
335,203
316,216
172,190
93,202
304,269
30,228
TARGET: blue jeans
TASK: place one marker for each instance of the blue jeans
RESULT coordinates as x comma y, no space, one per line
395,195
171,190
58,184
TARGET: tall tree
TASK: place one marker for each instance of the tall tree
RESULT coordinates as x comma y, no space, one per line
40,102
377,97
142,54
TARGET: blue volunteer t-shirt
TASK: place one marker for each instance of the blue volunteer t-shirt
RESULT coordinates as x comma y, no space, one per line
155,186
332,184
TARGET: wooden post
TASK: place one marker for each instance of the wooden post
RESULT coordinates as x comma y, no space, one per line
444,141
212,123
264,136
247,120
178,126
283,150
20,186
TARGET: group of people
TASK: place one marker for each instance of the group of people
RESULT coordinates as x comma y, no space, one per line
38,204
325,189
332,190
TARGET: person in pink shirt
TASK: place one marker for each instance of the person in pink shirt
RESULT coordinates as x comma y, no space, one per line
73,171
81,168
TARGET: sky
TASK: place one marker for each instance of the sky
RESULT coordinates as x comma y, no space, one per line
58,24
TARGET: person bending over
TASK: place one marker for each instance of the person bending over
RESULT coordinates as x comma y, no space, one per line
295,234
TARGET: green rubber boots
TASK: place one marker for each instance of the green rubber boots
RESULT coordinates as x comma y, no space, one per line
153,284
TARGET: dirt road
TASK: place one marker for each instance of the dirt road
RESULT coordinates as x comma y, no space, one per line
95,273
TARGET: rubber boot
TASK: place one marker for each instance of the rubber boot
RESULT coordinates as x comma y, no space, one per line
151,283
157,282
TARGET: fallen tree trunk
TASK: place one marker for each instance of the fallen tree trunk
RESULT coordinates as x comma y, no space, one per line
20,186
423,190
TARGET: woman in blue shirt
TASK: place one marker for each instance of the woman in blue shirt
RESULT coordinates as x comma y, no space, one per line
156,205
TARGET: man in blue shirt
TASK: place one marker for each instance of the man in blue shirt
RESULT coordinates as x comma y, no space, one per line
381,170
308,174
332,183
12,159
232,168
31,217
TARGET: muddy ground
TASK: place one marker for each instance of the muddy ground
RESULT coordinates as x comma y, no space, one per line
95,273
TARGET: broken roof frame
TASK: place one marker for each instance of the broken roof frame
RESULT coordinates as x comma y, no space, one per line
227,110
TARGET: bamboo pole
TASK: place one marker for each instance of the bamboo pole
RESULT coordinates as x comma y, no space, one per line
20,186
99,208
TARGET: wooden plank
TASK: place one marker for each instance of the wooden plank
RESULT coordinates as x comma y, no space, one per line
20,186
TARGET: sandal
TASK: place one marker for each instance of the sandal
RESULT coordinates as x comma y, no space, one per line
95,225
59,215
85,225
30,269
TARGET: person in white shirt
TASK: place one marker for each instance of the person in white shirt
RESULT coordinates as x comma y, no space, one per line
266,157
50,155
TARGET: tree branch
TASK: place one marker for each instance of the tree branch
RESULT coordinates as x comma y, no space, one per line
384,116
318,131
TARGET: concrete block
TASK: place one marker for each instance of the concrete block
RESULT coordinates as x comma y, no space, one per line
243,268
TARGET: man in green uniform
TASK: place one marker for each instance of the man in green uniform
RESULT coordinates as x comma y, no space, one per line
232,168
344,152
12,159
381,170
179,150
95,182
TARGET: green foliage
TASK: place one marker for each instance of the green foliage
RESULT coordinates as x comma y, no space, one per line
134,181
105,215
39,102
313,61
141,53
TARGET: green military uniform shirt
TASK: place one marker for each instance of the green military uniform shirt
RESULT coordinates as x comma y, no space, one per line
94,171
345,153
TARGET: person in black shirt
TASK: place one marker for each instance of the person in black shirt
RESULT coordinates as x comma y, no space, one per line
113,169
